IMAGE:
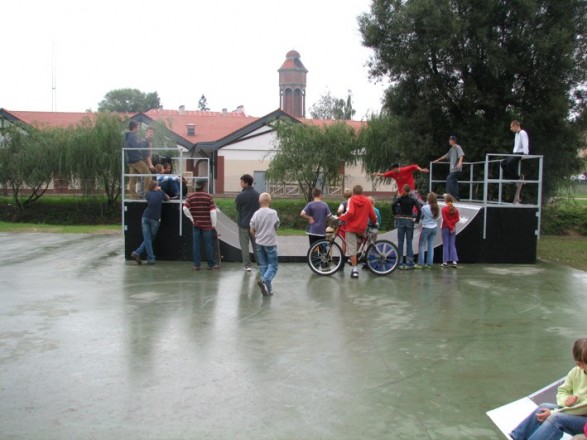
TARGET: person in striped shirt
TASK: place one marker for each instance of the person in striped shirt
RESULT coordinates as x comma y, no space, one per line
199,207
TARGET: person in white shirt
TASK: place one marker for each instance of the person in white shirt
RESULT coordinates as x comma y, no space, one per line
510,165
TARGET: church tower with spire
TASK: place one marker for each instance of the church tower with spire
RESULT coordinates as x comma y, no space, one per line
292,85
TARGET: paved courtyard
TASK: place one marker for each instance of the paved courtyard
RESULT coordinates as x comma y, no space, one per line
95,347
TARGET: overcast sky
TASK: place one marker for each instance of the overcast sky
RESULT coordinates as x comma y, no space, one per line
228,50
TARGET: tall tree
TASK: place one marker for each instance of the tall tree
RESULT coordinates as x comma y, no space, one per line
27,161
469,68
329,107
203,104
310,155
129,101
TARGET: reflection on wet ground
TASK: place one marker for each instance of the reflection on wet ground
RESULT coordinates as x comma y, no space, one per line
92,346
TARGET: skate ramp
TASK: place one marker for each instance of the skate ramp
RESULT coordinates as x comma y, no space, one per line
508,416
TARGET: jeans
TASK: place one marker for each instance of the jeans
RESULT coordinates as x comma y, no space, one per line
267,260
150,228
244,236
551,429
405,231
452,184
427,237
206,235
449,248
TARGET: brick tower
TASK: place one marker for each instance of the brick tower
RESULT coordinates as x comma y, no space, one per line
292,85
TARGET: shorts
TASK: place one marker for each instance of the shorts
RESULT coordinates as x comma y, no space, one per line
352,239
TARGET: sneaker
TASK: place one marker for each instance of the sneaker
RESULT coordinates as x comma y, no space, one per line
247,268
410,266
454,264
355,274
137,258
402,267
417,266
263,287
215,268
444,265
428,266
197,268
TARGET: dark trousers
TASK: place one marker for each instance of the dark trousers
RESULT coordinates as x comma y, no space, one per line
452,184
510,167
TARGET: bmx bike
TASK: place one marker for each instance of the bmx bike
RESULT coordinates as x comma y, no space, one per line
325,256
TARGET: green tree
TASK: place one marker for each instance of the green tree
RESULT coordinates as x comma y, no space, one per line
329,107
468,68
27,161
203,104
129,101
311,155
93,155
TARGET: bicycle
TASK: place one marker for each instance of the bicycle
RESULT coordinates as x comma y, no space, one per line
325,256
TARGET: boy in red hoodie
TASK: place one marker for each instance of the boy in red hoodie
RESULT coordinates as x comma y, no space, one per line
359,212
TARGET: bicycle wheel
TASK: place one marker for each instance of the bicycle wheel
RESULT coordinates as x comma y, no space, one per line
324,257
382,257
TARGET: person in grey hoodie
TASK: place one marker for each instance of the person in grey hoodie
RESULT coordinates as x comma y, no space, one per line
138,157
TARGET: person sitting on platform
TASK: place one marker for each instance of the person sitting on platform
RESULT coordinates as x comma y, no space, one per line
569,414
170,183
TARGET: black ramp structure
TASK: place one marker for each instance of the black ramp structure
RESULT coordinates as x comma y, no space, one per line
510,235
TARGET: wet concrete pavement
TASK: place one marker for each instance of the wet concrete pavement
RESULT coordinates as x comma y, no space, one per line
94,347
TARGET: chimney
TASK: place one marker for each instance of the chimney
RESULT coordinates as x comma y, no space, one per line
224,111
182,109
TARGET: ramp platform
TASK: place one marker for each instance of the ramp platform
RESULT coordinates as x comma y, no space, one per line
511,235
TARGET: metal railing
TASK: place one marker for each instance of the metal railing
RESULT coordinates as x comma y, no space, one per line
181,160
487,175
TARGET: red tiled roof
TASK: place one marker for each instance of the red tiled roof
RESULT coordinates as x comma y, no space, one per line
209,126
50,119
357,125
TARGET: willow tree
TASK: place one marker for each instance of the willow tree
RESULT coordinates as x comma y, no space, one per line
27,162
93,155
311,155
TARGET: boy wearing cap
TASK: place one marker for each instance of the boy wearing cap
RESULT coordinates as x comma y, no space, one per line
199,207
455,156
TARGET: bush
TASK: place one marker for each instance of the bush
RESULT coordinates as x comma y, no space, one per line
62,210
563,218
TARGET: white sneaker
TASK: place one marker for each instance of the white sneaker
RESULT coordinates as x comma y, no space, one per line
247,268
355,274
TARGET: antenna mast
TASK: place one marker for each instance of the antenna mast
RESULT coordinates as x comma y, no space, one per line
53,80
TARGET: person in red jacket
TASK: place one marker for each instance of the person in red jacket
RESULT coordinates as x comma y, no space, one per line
403,176
359,212
450,218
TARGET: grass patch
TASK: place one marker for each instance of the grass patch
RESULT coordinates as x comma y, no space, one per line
62,229
567,250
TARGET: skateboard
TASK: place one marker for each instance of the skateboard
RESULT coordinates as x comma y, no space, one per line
217,254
